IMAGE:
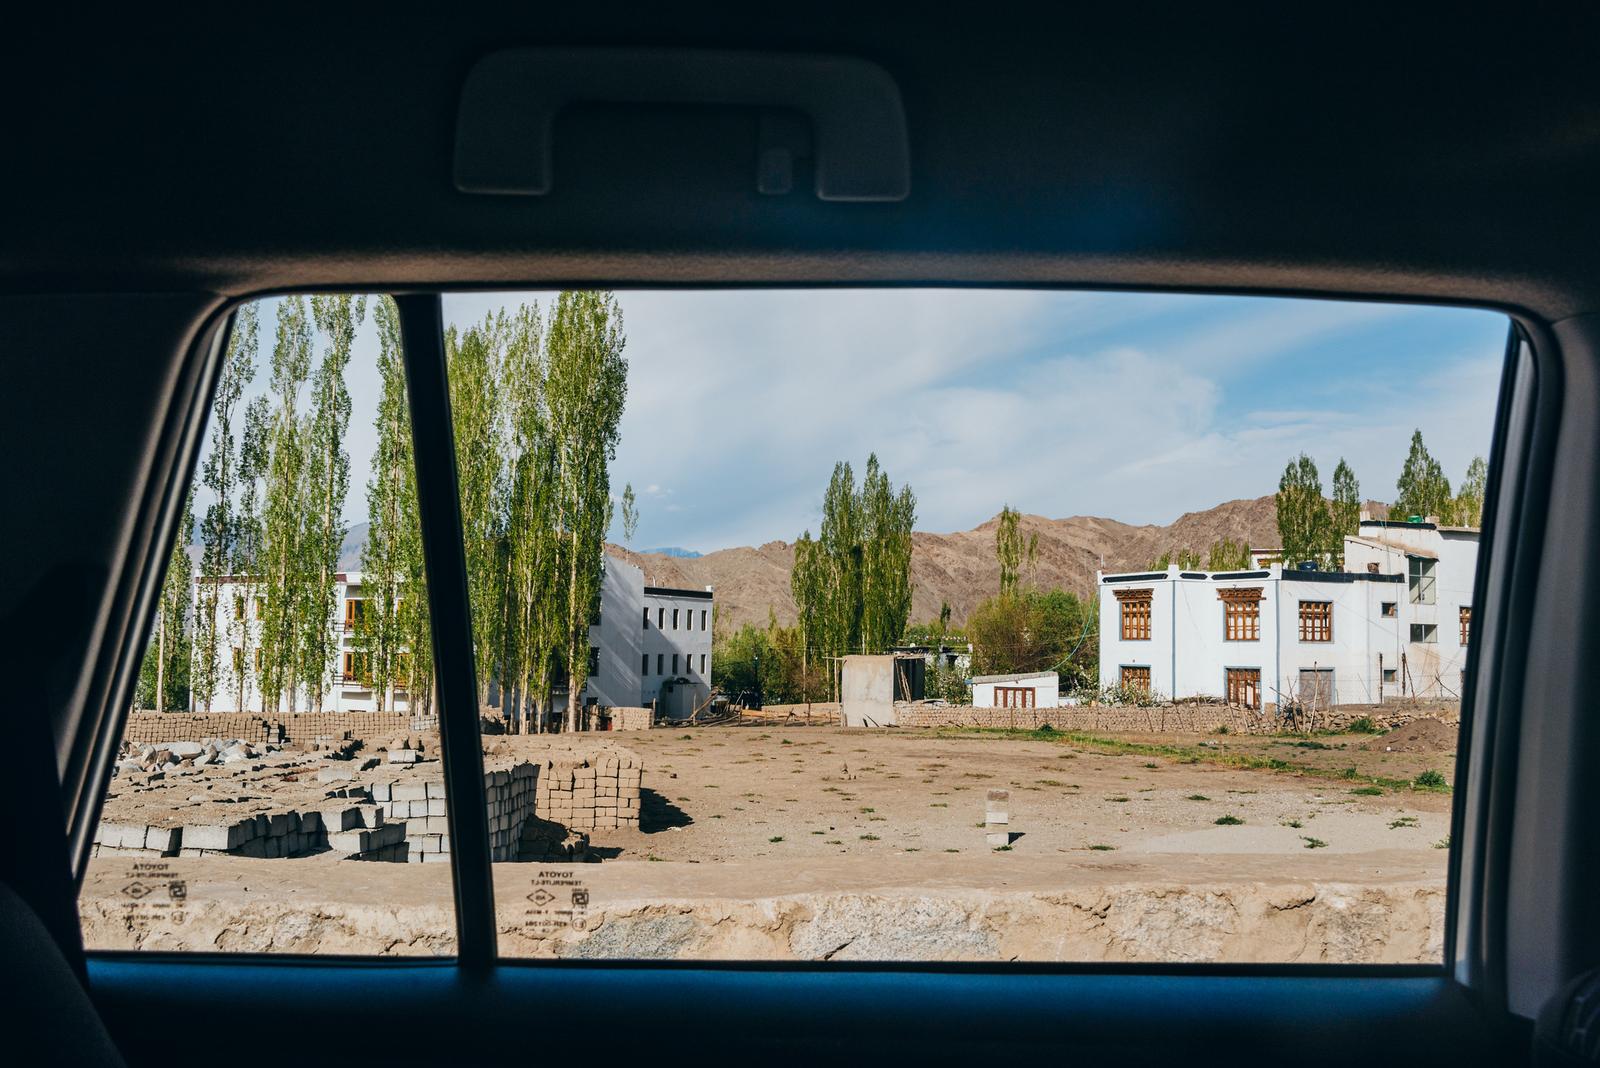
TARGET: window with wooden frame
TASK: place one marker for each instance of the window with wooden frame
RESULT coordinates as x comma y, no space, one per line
1466,623
1135,678
1244,687
1013,697
1241,613
1135,606
354,612
1316,621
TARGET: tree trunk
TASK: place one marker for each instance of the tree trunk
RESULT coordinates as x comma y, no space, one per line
161,663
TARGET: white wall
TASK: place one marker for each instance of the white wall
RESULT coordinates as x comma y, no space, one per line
617,637
688,637
1046,689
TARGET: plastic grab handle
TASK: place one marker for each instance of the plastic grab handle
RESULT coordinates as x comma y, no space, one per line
511,99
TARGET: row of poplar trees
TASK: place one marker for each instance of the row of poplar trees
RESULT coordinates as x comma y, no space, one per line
852,582
537,406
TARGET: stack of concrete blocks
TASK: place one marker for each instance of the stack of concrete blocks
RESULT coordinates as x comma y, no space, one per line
632,719
510,795
997,819
602,791
135,840
267,835
417,808
360,831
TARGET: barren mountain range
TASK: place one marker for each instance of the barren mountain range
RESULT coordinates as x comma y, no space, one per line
960,567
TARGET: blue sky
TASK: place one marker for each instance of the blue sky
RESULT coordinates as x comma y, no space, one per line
1138,407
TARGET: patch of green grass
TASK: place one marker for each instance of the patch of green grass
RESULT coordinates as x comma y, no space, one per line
1221,730
1443,843
1197,797
1048,782
652,857
1432,780
1102,847
869,838
1403,821
866,809
1307,743
939,804
1151,764
685,737
1118,800
1182,754
1313,843
1229,820
833,841
775,839
1296,824
785,741
1002,849
1368,791
819,832
952,850
1363,725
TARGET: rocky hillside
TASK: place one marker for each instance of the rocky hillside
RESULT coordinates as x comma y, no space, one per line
960,567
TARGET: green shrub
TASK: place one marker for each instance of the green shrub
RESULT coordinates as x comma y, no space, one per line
1364,725
1229,821
1368,791
1432,780
1313,843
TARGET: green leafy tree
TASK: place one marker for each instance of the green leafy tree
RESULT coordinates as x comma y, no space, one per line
219,530
630,514
1036,630
1345,514
164,673
391,555
839,542
1422,490
1468,510
536,598
1303,518
473,360
587,387
887,520
283,550
1186,559
1012,549
248,547
1228,555
324,488
808,584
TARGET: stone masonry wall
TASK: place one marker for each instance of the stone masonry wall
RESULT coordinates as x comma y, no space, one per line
1182,718
153,728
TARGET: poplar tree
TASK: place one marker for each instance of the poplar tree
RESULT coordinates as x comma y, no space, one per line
1303,519
887,520
392,550
1345,515
1012,550
282,528
171,644
248,546
630,514
808,583
324,488
533,564
474,374
218,530
840,539
587,386
1421,490
1468,510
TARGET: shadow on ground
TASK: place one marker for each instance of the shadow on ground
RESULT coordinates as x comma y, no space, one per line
656,813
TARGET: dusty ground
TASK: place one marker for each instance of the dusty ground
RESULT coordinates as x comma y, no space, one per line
828,843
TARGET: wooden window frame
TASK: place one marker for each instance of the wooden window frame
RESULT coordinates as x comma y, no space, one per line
1464,613
1237,679
1316,621
1135,611
1015,697
1241,613
1134,677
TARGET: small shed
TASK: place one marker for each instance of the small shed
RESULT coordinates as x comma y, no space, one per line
869,686
1035,689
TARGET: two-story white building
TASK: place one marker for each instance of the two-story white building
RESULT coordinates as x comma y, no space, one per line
1396,622
675,655
239,604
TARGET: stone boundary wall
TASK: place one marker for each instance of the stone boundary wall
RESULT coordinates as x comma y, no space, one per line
153,728
1182,718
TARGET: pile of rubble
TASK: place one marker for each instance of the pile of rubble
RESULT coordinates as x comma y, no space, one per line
169,756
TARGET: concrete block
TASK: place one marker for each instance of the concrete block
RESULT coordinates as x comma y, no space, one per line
409,791
435,806
997,840
219,837
164,840
435,789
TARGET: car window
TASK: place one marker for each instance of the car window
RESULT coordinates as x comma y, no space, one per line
277,786
825,625
1034,626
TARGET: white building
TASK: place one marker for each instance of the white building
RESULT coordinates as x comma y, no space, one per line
1035,689
1395,623
675,655
648,644
238,622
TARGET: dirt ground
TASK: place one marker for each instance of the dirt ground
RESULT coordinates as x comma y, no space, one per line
825,843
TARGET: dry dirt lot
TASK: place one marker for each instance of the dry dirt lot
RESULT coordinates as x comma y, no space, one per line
825,843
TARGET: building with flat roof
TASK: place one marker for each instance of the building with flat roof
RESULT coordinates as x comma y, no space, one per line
1396,622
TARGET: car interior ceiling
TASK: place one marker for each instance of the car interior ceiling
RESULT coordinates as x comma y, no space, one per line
164,169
